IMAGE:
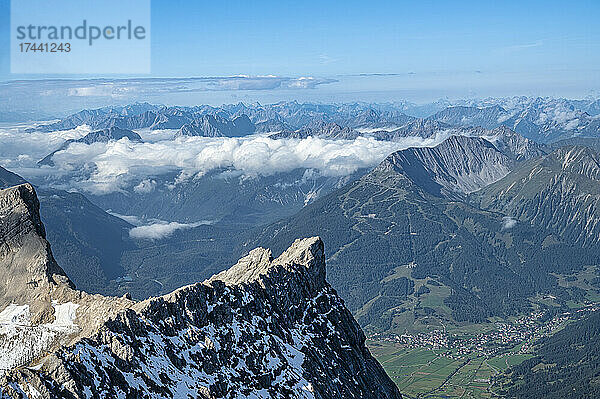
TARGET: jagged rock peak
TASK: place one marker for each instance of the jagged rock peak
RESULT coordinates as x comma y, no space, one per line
305,253
19,207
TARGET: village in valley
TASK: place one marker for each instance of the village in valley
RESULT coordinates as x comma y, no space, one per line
520,332
464,362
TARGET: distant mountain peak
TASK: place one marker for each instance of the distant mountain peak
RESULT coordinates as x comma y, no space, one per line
105,135
218,126
458,165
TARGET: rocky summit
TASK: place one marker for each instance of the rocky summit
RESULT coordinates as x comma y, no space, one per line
265,328
458,165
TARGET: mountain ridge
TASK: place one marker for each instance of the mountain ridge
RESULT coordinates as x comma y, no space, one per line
263,328
217,126
559,190
458,165
97,136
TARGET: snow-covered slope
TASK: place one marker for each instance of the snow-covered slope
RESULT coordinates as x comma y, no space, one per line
39,307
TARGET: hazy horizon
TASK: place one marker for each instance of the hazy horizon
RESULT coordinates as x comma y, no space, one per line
327,52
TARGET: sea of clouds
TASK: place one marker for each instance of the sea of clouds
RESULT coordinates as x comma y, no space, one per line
132,166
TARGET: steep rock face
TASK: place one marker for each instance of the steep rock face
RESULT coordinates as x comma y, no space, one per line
40,307
459,165
28,269
9,179
266,328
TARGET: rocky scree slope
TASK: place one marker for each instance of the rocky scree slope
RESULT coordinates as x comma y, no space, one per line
458,165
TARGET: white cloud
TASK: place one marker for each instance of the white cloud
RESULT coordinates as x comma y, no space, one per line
521,46
92,91
134,220
146,186
572,124
122,165
119,88
157,231
150,135
19,148
508,222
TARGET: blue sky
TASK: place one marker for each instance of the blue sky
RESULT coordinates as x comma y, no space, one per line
436,48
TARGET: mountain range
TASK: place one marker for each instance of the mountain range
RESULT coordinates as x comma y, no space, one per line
218,126
416,207
409,246
538,121
543,120
559,191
